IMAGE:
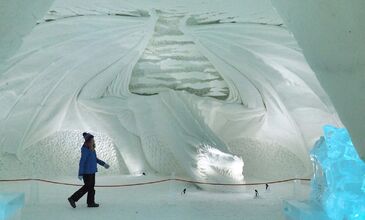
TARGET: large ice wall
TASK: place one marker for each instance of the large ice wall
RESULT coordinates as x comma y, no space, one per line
331,34
187,87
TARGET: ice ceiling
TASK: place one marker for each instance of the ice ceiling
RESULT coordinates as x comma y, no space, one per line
173,85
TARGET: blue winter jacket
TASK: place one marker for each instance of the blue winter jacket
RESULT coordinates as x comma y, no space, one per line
88,161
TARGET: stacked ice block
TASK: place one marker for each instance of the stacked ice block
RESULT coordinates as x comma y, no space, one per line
338,184
10,204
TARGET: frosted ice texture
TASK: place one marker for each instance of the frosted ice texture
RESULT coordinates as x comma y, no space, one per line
339,178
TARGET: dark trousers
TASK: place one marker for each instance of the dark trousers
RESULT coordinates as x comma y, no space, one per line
88,187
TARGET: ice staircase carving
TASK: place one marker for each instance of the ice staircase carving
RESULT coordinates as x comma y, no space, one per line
172,61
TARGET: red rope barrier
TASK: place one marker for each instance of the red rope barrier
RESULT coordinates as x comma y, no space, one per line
157,181
241,184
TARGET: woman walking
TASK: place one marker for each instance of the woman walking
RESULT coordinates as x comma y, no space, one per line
87,170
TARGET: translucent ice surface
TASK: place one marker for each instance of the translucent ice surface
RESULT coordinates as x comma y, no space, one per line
339,179
338,183
338,190
10,203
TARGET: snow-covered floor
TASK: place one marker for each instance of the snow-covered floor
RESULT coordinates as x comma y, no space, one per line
158,201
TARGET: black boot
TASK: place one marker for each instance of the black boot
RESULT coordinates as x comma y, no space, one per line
91,199
94,205
72,202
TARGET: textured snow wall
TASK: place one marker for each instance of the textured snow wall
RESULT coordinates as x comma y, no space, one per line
184,87
57,155
17,18
331,34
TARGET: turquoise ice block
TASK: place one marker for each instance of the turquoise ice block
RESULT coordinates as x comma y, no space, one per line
338,183
339,176
10,203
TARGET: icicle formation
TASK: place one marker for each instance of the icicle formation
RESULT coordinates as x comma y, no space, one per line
339,178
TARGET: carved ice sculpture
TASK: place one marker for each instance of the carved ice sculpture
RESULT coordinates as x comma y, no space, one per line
338,184
339,178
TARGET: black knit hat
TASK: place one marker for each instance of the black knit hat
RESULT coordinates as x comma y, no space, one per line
87,136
